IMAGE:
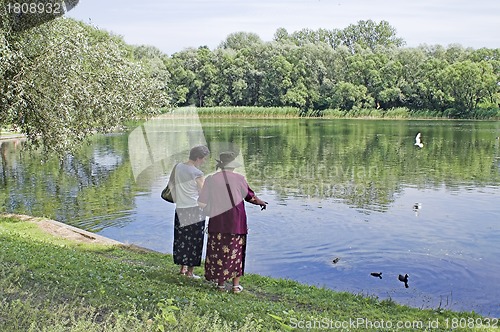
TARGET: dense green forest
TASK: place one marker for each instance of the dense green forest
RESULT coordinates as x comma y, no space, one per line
364,66
64,80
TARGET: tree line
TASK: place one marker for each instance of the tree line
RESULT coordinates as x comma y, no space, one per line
363,66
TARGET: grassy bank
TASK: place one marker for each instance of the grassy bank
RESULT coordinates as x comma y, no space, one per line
293,112
248,112
7,132
50,283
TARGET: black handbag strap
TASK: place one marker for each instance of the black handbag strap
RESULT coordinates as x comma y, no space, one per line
228,188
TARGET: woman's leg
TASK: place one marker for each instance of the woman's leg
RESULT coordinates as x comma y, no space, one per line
237,288
190,272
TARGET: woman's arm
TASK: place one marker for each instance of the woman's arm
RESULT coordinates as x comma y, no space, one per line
257,201
200,181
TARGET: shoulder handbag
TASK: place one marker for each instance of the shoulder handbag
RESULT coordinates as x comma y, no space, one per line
168,192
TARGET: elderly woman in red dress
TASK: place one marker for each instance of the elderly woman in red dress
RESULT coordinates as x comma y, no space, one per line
225,193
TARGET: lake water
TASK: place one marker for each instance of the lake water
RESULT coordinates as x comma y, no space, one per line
357,190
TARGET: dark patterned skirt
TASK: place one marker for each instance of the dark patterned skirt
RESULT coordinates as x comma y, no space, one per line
225,256
189,226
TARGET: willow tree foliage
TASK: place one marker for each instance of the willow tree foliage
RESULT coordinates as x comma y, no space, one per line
64,80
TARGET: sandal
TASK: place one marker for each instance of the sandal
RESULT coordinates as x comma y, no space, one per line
221,288
237,289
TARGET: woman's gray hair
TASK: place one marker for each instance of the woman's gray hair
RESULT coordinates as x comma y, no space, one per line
200,151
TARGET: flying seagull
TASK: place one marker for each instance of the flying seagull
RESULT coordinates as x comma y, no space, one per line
418,142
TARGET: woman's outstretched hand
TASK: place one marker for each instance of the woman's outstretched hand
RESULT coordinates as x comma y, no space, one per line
257,201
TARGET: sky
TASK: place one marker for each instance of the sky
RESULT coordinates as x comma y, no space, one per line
173,26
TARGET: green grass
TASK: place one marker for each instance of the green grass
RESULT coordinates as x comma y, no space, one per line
53,284
249,111
293,112
7,132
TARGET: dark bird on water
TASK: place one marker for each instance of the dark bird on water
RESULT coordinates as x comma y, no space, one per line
336,260
376,274
404,278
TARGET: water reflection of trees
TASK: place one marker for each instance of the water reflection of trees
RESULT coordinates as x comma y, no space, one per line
95,182
363,163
